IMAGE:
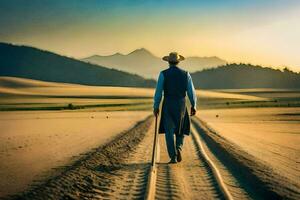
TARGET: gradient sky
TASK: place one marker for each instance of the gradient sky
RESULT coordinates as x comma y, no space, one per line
265,32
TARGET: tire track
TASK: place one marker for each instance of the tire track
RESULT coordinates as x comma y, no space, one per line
130,180
190,179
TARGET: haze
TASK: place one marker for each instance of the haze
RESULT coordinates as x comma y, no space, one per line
264,32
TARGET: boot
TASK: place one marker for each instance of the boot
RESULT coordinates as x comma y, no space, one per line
179,157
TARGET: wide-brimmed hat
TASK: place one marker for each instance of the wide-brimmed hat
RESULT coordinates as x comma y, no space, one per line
173,57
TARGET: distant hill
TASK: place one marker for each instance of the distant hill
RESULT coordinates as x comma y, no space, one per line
144,63
33,63
236,76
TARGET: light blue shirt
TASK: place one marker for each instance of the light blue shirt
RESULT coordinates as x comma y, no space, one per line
160,87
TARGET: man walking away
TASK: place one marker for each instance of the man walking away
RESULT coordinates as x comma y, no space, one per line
174,83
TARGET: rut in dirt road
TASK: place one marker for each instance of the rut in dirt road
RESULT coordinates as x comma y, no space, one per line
189,179
130,180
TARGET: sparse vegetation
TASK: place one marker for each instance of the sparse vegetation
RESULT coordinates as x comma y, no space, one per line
71,106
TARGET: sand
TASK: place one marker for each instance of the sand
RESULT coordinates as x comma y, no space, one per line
26,94
32,143
226,95
117,170
270,134
266,92
23,86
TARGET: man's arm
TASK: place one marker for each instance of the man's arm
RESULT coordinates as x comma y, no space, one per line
158,93
192,94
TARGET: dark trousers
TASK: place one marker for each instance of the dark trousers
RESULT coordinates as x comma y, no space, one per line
172,143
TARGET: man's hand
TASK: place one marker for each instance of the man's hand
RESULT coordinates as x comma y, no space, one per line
156,112
193,111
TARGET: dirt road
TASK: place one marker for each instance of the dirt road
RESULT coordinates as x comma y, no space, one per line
189,179
120,170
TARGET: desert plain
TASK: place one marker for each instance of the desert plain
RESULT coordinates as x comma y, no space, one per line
47,126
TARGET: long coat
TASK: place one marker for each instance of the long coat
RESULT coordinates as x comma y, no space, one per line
174,115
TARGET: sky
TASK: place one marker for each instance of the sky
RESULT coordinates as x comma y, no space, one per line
263,32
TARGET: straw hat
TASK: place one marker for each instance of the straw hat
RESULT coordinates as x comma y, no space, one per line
173,57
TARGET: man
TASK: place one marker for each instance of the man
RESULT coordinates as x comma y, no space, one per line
174,83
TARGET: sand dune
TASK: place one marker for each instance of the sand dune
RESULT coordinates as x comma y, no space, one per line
22,86
15,82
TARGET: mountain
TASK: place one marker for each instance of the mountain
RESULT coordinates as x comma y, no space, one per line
237,76
33,63
144,63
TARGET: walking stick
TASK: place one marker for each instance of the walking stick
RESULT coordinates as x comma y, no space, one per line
154,144
150,191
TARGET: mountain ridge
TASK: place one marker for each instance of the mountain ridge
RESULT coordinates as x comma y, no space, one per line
33,63
143,62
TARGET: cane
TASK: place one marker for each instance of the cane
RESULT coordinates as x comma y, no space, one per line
154,143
